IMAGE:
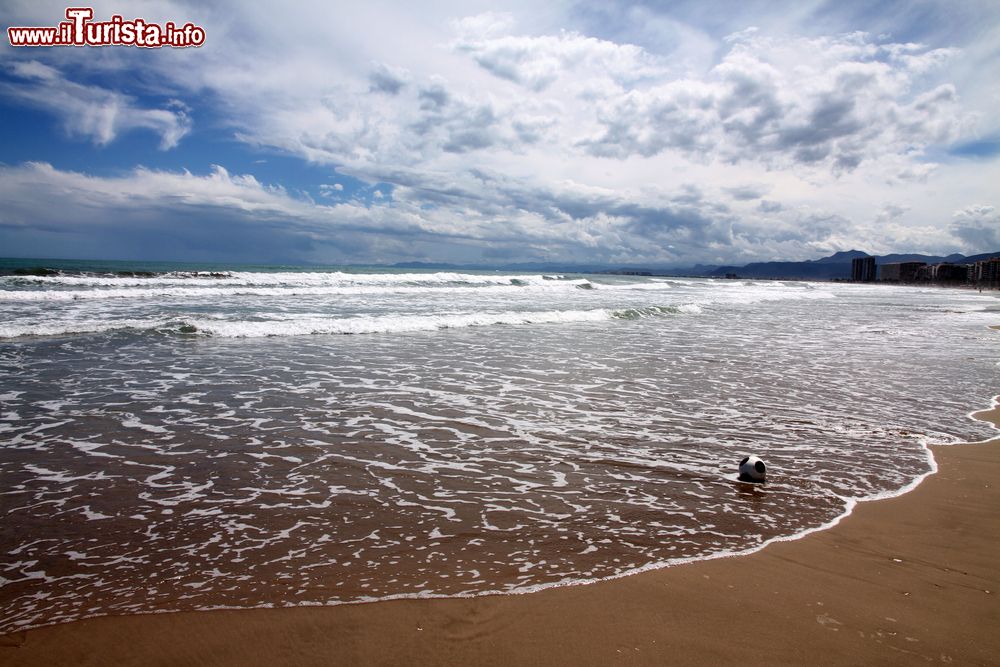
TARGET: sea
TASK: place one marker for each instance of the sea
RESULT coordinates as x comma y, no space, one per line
184,437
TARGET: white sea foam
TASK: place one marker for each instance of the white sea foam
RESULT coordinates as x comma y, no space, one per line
298,325
288,279
287,291
392,323
60,328
582,434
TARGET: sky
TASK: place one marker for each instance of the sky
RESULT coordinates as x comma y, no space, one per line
629,133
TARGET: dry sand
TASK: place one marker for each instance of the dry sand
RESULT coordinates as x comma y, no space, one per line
910,580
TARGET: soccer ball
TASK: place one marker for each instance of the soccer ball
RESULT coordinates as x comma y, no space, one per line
752,469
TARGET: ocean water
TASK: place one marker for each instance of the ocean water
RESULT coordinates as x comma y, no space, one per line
177,438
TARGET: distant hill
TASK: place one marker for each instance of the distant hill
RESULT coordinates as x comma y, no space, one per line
546,267
844,256
835,267
976,258
930,259
810,270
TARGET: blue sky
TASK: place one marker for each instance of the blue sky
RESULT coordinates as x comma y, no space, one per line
623,133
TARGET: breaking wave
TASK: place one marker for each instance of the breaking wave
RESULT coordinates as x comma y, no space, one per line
363,324
285,280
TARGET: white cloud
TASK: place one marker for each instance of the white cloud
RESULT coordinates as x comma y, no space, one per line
831,101
91,111
536,62
567,222
386,79
891,212
978,227
330,190
828,102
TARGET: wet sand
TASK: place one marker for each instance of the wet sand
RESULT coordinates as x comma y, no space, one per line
909,580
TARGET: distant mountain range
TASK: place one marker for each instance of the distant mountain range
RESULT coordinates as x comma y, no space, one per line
836,266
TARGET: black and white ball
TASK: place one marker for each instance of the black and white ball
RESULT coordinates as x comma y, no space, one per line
752,469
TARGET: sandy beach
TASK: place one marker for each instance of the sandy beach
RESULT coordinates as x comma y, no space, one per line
913,579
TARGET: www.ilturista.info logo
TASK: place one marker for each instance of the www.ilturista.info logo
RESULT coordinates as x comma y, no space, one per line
79,30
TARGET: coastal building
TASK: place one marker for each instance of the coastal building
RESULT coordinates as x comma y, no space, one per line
863,269
900,272
948,273
889,272
986,273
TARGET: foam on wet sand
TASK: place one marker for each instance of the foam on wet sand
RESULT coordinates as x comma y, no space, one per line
911,579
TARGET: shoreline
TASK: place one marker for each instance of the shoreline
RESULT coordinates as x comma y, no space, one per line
912,577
